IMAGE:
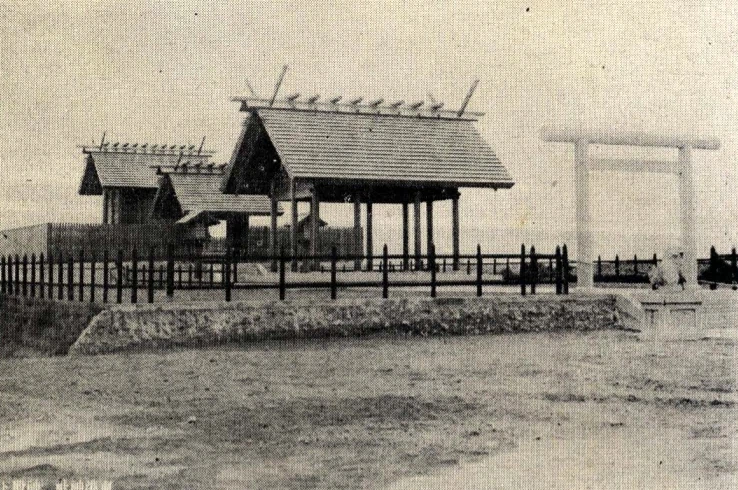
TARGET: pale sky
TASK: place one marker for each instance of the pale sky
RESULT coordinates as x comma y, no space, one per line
164,72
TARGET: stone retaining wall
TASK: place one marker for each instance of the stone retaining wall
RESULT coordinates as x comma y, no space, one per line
42,326
151,326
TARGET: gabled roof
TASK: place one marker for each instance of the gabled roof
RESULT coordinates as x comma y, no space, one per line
363,147
192,192
118,166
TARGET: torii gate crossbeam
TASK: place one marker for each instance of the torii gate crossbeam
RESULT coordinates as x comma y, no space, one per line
583,165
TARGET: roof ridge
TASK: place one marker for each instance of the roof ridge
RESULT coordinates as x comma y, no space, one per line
147,149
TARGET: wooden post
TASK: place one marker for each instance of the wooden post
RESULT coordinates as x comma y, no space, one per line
635,265
734,264
25,275
617,265
273,235
33,275
314,225
333,272
3,287
405,236
369,233
385,272
70,277
417,236
8,262
134,277
152,276
455,231
17,275
234,265
227,272
566,269
42,275
51,275
559,272
479,270
282,284
92,277
432,266
599,266
655,260
429,224
170,271
533,269
357,230
106,273
179,275
81,274
189,272
60,293
468,267
293,226
523,270
119,278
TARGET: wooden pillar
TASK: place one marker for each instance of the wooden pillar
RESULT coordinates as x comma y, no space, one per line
405,236
429,224
687,205
273,235
105,217
455,230
416,223
585,261
314,225
369,233
293,225
245,234
357,229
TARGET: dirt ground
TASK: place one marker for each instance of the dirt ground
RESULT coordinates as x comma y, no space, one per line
381,411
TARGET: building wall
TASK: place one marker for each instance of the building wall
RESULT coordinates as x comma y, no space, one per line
127,205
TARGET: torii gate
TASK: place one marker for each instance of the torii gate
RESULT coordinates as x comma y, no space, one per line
583,165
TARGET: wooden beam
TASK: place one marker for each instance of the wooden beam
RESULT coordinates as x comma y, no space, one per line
626,165
314,224
571,135
429,225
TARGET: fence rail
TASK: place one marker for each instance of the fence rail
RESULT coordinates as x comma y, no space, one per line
83,276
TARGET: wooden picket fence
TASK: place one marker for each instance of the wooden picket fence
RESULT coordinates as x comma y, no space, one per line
87,277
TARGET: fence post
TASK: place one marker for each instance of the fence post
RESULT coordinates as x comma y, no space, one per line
479,270
119,279
70,277
385,273
558,270
92,277
3,288
61,276
81,274
333,272
151,277
565,259
635,265
655,260
617,265
236,256
106,273
523,270
189,274
599,266
226,273
25,275
51,276
42,275
179,275
734,265
134,276
212,274
533,269
17,275
432,265
9,264
282,285
33,275
170,271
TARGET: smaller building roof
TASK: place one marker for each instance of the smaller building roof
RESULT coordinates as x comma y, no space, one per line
188,191
133,165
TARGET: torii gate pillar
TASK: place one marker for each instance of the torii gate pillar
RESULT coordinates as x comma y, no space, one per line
683,169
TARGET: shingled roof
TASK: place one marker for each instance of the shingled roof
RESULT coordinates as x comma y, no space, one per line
365,146
133,166
193,192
